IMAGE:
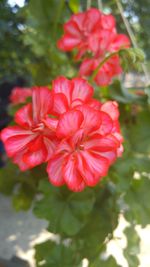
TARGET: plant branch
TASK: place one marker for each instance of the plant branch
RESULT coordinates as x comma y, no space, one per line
88,4
131,35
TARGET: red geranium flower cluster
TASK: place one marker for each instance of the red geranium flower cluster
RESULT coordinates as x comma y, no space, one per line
95,33
77,136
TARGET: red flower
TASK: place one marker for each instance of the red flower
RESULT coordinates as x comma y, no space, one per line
88,146
105,74
32,141
94,32
19,95
69,94
78,30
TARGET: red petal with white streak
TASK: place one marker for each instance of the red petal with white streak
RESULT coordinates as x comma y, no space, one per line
69,123
60,104
81,90
102,144
89,177
106,124
72,29
111,108
92,118
71,175
23,116
64,86
54,170
34,158
67,43
97,164
42,101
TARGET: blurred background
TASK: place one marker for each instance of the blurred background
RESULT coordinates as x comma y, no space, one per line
29,30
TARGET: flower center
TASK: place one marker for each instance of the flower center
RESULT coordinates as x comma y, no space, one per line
39,127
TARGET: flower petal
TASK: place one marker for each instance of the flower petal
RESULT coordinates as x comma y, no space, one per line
99,143
72,29
50,145
89,177
92,19
71,175
92,118
86,67
23,116
18,159
64,86
97,164
60,104
94,104
106,124
111,108
54,170
15,139
34,158
67,42
111,156
42,102
81,90
69,123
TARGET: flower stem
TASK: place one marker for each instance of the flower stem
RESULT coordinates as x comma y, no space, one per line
102,63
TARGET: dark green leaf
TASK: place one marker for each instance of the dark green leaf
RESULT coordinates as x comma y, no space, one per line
66,213
132,250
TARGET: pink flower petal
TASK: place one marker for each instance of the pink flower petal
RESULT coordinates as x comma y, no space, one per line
71,175
89,177
69,123
92,19
18,159
64,86
60,104
99,143
72,29
50,146
54,170
16,139
23,116
106,124
42,101
34,158
67,43
97,164
81,90
111,108
92,118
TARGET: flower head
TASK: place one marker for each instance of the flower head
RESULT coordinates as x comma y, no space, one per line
78,30
89,144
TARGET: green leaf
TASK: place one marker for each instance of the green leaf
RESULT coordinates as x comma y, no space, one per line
8,178
22,200
66,212
132,58
137,200
110,262
50,254
74,5
139,132
133,247
147,91
102,221
22,185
